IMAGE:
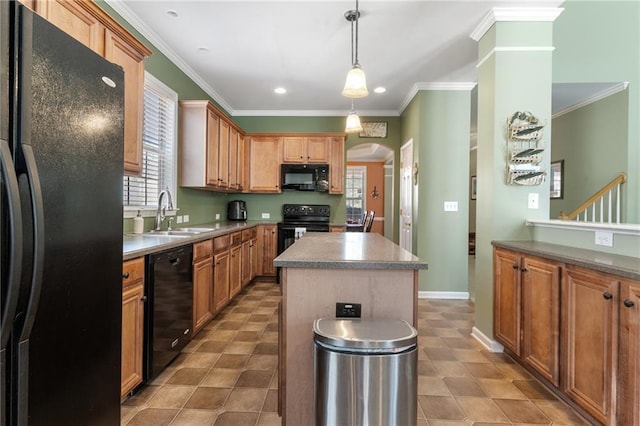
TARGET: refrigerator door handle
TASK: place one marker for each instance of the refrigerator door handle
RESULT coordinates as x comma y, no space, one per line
15,236
35,190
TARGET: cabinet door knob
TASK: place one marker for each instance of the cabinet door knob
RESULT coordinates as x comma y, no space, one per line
523,269
125,275
143,298
628,303
515,266
607,295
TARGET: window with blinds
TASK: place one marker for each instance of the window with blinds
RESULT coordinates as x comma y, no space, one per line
158,147
355,182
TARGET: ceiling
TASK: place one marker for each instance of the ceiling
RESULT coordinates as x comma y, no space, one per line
240,51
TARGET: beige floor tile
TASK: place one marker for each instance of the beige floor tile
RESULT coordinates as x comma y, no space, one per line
262,362
200,360
208,398
221,378
214,346
187,376
522,411
269,419
469,355
231,361
220,334
164,376
271,401
254,326
246,399
533,389
263,348
171,396
440,407
559,413
481,409
236,419
142,396
513,371
254,379
191,417
464,386
127,413
451,369
484,370
240,348
500,388
153,416
269,337
432,386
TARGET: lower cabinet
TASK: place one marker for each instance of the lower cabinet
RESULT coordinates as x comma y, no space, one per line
248,255
220,272
202,283
235,270
267,249
578,328
132,324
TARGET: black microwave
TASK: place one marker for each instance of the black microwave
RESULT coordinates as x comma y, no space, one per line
305,177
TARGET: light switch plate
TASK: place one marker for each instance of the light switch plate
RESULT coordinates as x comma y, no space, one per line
185,218
266,215
217,216
178,219
534,200
450,206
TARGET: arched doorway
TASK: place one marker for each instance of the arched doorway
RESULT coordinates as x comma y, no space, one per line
370,185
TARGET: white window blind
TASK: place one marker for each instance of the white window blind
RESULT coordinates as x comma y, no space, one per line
158,147
355,182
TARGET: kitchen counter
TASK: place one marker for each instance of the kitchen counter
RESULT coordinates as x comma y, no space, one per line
323,269
347,250
136,245
624,266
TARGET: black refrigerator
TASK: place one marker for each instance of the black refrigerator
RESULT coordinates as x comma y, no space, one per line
61,141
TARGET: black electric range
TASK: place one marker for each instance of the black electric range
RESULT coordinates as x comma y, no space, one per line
299,218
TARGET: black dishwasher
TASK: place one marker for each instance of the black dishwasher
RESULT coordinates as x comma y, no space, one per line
169,311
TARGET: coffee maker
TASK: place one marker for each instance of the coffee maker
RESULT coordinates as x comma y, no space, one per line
237,210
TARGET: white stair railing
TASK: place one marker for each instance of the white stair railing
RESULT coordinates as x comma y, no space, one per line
601,207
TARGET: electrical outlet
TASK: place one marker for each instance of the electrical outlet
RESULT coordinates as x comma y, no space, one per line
604,238
185,218
217,216
266,215
178,219
534,199
450,206
348,310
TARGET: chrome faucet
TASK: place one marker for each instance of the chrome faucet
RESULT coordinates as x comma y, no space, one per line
161,212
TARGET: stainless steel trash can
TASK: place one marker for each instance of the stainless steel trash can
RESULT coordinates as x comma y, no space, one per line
365,372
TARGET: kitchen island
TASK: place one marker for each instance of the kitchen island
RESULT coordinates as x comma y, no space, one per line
320,270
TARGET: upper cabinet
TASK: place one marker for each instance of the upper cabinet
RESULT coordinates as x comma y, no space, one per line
336,165
210,149
264,163
305,150
89,24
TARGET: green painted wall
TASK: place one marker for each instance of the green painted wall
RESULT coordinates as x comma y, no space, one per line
439,123
592,141
599,41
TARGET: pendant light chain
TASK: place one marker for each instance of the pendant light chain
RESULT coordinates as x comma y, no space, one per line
355,63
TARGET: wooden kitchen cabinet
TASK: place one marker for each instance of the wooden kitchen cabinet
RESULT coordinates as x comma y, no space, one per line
527,310
235,264
267,249
336,165
88,23
233,159
220,272
223,153
202,283
248,255
590,340
305,150
133,300
629,356
264,163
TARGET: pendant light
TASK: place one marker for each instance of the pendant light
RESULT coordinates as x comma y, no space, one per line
356,84
353,121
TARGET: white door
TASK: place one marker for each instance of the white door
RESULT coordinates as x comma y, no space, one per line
406,195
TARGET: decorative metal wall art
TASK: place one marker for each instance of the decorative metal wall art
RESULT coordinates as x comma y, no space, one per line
524,149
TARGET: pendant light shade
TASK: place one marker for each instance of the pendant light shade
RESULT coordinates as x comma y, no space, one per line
356,84
353,122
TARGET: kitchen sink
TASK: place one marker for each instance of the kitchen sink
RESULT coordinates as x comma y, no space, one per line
196,230
173,233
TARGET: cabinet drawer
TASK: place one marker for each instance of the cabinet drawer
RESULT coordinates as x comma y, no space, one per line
247,234
236,238
202,250
132,271
220,243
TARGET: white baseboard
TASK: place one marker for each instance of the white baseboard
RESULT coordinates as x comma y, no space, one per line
461,295
490,344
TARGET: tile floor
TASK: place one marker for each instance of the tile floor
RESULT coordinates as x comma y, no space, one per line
227,374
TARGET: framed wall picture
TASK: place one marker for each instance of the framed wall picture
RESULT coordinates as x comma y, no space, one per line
473,190
556,184
374,129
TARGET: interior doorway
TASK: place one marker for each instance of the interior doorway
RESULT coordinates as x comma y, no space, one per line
406,196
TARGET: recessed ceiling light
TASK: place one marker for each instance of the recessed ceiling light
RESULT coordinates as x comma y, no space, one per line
380,89
203,49
280,90
172,13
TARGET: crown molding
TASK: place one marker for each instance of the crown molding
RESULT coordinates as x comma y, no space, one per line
515,49
126,13
515,14
595,98
312,113
450,86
